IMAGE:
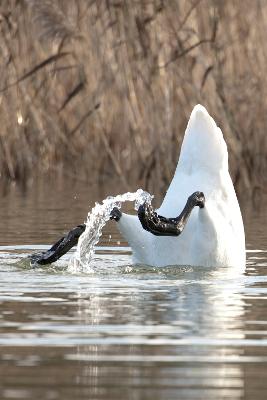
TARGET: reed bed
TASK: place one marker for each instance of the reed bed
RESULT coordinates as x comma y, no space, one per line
102,90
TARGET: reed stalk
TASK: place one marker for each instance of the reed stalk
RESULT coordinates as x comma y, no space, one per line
103,90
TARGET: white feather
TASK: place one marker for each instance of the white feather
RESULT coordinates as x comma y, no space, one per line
213,236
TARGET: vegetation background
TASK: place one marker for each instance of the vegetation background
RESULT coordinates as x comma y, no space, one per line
101,90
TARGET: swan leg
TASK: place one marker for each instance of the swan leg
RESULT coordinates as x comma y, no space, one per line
116,214
162,226
61,247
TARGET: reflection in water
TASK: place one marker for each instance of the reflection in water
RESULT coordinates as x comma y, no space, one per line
123,331
185,324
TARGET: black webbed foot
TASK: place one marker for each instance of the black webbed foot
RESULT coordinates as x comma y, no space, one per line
162,226
197,199
61,247
154,223
115,214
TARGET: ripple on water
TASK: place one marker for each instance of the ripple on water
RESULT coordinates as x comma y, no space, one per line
123,329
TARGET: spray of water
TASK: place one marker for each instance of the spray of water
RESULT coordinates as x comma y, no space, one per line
96,220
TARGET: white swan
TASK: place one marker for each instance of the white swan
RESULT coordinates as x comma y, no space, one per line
214,235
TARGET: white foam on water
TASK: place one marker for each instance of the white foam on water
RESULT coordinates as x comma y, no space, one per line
96,220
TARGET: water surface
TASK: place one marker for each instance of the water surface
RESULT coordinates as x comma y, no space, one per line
124,332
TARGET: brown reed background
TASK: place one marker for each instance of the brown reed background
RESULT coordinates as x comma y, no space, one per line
100,90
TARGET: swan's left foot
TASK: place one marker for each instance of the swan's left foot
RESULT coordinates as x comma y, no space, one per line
115,214
61,247
161,226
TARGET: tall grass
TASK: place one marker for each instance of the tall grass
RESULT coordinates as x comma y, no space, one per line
98,90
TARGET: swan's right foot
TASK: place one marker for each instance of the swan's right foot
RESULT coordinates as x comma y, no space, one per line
162,226
197,199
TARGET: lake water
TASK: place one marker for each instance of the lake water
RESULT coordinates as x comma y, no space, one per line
124,332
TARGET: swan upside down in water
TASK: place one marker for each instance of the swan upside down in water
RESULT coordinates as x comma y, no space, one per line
213,235
209,229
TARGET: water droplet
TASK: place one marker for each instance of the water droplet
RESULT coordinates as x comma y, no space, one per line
96,220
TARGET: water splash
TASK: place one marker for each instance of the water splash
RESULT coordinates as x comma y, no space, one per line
96,220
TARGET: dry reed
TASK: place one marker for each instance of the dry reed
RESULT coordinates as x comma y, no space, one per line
103,89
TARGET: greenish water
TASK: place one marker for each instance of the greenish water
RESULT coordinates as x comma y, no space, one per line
124,332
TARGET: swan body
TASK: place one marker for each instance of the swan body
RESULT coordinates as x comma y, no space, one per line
214,235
